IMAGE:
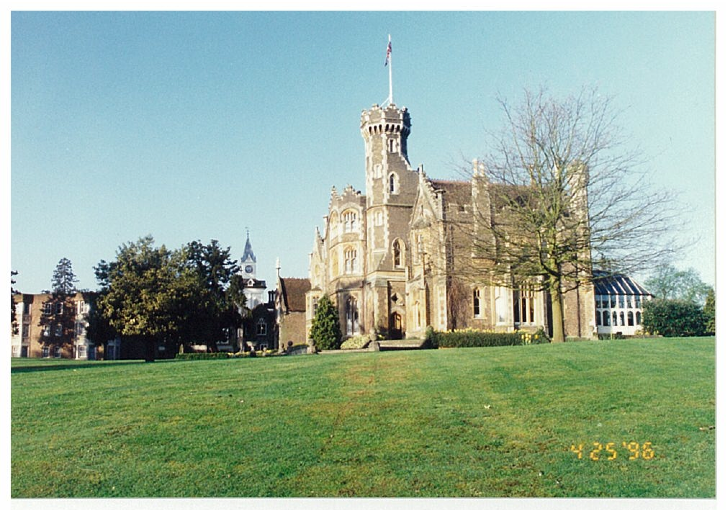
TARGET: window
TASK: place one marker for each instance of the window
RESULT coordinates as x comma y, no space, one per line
47,308
606,318
45,351
46,331
621,321
637,301
397,253
598,318
613,301
391,144
638,318
351,316
524,306
81,353
393,184
350,263
614,318
57,351
631,318
261,327
26,332
58,330
79,329
350,221
629,302
621,302
476,303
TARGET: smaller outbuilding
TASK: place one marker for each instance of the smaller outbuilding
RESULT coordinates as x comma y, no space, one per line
619,304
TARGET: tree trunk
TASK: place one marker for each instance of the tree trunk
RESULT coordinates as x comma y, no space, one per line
557,309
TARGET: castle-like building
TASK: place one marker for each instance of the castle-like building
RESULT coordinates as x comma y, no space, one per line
393,261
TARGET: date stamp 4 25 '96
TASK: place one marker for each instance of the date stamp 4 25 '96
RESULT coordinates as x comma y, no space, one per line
597,451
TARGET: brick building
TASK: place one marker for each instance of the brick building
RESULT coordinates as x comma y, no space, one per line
49,326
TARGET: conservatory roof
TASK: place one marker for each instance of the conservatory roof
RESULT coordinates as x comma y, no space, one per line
616,284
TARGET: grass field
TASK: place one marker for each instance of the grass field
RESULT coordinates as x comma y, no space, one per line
489,422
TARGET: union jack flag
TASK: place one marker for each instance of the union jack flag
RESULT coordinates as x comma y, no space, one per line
388,54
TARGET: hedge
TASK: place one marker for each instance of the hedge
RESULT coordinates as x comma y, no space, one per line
478,338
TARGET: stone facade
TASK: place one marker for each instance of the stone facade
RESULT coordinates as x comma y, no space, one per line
393,260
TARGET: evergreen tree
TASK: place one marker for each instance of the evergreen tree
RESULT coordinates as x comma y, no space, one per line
325,331
64,280
58,319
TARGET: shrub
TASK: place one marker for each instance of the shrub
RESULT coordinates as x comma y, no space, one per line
478,338
673,317
202,355
356,342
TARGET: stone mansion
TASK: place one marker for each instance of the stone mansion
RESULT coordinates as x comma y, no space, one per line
389,259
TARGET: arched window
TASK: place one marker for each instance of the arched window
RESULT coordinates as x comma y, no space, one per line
476,303
631,318
398,257
393,184
598,318
606,319
391,144
350,221
638,318
351,316
350,262
261,328
614,319
621,322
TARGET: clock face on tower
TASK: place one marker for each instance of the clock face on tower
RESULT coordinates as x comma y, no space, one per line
248,269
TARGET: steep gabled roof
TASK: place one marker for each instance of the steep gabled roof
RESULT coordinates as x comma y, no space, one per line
293,292
457,192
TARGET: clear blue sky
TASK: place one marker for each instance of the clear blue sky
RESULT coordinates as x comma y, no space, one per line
196,125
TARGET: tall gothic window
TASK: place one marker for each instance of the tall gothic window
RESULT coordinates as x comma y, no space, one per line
350,221
393,184
524,306
351,316
476,302
397,253
350,262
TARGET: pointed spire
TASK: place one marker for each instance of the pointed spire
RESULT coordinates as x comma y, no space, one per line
248,253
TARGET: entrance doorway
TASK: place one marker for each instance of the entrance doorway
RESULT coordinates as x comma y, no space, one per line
395,328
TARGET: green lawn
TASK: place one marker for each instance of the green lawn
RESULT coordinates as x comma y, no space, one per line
490,422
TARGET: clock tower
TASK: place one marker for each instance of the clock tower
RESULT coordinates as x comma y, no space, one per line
249,262
254,289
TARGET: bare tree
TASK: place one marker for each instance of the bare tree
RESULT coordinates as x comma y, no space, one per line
559,195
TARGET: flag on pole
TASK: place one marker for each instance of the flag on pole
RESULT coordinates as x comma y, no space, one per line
388,54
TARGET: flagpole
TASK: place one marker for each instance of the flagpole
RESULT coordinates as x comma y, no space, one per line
391,86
